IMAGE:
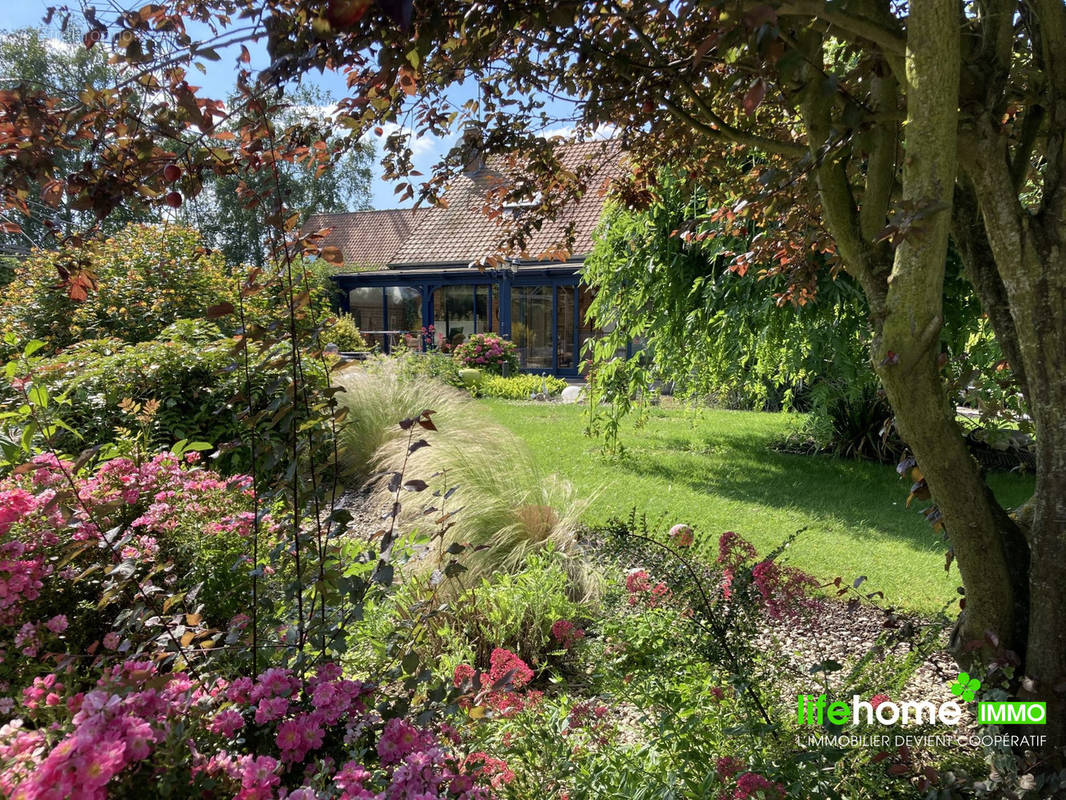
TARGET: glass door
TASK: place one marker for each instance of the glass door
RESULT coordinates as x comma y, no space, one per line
544,327
532,328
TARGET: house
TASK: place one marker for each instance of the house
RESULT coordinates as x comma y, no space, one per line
405,270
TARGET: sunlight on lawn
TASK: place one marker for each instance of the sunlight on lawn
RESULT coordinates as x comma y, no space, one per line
715,470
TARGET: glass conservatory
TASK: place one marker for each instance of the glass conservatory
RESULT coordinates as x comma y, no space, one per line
541,308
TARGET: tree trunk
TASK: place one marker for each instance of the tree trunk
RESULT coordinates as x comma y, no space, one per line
989,549
1030,253
906,303
905,347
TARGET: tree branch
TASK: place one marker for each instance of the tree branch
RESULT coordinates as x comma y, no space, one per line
891,42
971,239
1019,166
712,124
881,166
834,188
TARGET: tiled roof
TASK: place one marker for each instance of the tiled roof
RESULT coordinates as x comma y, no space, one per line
366,239
462,233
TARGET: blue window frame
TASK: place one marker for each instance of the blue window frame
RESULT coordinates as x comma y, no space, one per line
538,307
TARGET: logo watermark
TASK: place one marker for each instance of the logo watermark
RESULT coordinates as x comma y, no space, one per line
819,710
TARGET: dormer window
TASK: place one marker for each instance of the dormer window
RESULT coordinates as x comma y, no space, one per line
517,208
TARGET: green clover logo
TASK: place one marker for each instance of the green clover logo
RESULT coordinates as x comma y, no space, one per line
965,687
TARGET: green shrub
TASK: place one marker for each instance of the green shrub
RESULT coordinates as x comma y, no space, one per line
194,380
515,611
520,387
849,421
135,284
471,378
433,365
344,333
195,331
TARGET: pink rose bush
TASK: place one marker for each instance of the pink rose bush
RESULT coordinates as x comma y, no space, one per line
128,531
487,351
138,731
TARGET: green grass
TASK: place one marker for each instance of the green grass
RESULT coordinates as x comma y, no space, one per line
715,471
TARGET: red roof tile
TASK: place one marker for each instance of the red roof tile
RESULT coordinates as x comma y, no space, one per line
463,233
366,239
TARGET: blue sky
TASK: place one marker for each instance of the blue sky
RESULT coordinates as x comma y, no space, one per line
218,82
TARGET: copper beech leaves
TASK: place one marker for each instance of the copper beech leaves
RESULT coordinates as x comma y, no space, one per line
754,96
332,255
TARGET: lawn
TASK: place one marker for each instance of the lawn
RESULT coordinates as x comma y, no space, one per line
716,471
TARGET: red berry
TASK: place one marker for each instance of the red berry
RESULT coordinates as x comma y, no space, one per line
173,199
171,172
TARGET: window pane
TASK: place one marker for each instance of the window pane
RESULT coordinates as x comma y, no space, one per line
531,325
459,313
584,333
365,307
565,318
405,314
485,322
453,313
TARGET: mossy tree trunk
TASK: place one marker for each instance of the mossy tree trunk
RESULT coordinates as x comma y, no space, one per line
1016,259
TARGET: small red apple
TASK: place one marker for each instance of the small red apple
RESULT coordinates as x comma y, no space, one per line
173,199
171,172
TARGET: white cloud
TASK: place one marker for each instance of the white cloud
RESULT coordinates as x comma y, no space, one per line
420,145
570,132
59,46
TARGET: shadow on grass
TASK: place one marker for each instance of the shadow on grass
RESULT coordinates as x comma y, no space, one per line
862,495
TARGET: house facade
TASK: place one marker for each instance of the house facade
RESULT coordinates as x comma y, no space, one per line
409,270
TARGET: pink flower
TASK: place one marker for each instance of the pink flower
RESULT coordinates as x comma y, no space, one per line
681,535
566,633
463,673
637,581
503,663
351,778
257,778
399,739
270,709
298,736
226,723
734,551
754,785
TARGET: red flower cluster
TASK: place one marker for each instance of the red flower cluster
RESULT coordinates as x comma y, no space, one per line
727,766
641,590
566,633
752,786
509,674
782,591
